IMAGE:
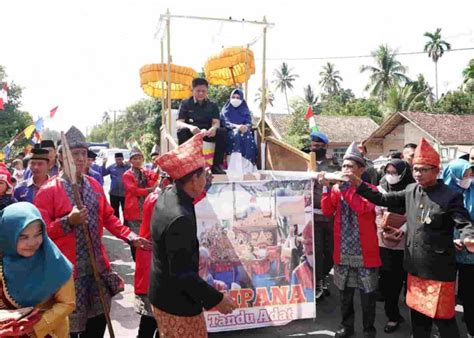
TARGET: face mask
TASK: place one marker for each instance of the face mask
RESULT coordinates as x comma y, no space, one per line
392,179
310,260
465,183
261,253
235,102
320,153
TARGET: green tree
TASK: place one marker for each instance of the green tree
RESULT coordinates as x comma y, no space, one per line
220,94
330,79
456,102
338,105
298,128
420,85
403,99
138,123
468,75
269,98
309,96
284,80
13,119
387,72
436,48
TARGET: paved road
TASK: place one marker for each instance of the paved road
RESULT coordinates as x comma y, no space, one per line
125,320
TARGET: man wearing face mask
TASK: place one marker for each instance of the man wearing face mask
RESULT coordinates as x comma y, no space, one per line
199,114
323,225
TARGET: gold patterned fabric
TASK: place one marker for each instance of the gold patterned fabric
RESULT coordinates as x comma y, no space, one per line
434,299
171,326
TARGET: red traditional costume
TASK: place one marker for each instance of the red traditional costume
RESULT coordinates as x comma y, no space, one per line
55,201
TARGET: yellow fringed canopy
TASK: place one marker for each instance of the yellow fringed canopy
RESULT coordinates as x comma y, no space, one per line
228,67
153,78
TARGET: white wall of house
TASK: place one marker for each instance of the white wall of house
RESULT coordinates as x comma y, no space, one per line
413,134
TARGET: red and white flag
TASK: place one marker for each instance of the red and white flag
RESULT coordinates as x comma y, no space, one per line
309,113
311,118
3,96
52,112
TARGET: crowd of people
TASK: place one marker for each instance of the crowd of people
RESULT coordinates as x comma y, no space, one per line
405,232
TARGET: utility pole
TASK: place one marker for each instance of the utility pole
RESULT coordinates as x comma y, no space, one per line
115,129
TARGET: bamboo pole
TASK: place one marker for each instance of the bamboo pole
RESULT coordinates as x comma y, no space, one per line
264,99
247,66
168,84
70,172
163,110
264,90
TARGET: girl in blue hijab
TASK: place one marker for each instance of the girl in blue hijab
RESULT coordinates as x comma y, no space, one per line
241,147
33,272
457,175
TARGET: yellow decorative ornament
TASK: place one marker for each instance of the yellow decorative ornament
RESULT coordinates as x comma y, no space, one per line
229,66
153,78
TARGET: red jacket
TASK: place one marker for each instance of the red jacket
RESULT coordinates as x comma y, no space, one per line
365,210
143,257
53,203
131,212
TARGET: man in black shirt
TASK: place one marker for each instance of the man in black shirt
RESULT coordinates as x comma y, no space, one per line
198,114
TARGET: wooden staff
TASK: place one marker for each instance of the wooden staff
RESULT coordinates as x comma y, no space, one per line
70,171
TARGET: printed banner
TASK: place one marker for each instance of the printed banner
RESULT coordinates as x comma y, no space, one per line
256,244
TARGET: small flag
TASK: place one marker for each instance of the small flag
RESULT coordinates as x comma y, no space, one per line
8,148
311,119
39,125
52,112
3,96
309,113
29,131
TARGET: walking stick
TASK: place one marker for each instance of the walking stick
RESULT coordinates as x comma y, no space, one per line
70,170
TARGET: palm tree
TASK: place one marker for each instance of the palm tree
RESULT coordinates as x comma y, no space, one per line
436,48
330,79
269,98
403,99
468,74
387,73
309,96
420,85
284,80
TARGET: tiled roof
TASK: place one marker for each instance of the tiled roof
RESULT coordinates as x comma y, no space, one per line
339,129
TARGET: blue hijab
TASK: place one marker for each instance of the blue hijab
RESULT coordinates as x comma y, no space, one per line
240,115
30,280
455,171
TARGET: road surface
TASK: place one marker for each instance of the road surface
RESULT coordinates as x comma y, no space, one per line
125,320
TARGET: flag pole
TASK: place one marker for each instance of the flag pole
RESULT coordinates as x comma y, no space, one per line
70,171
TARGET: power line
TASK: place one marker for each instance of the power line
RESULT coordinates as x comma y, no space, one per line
358,56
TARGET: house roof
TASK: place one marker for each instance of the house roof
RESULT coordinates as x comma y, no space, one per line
447,129
339,129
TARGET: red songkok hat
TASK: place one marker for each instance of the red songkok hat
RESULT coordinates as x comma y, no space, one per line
426,154
184,159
